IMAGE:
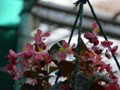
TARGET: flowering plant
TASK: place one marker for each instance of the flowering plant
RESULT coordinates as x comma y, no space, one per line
34,64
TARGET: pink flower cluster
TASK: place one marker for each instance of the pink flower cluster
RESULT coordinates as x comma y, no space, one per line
92,62
33,63
34,58
93,38
29,58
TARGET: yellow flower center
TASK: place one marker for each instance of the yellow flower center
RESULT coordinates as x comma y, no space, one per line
23,49
46,57
40,49
62,49
97,30
35,34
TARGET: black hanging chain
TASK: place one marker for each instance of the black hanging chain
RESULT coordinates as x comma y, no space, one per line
101,29
76,20
76,68
74,26
80,17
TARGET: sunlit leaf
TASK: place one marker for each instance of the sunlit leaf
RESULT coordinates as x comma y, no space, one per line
52,69
54,49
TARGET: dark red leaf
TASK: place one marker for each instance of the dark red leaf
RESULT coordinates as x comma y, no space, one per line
67,67
29,74
95,86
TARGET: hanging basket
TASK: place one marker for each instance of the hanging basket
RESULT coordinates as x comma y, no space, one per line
86,70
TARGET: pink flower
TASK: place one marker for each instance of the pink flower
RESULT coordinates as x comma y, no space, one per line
104,66
61,55
107,54
64,44
64,50
24,64
28,47
39,47
12,57
108,68
12,54
97,50
92,38
114,49
33,60
13,71
27,52
94,25
95,28
106,43
8,67
39,37
41,56
12,61
66,47
47,58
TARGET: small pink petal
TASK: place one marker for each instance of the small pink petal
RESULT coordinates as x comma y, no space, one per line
24,64
106,43
88,35
28,54
12,52
28,46
39,32
8,67
15,68
108,68
64,44
107,54
69,51
97,50
61,55
94,25
114,49
73,46
47,58
46,34
40,56
12,61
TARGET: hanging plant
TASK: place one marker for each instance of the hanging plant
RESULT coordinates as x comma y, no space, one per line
86,71
34,62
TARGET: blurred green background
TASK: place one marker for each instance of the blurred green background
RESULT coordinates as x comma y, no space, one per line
9,23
